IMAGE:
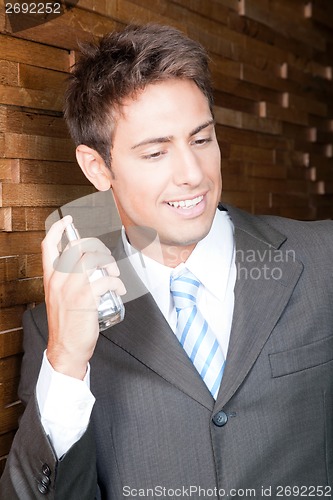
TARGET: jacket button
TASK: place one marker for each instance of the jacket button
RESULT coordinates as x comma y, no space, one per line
46,470
220,419
42,488
46,481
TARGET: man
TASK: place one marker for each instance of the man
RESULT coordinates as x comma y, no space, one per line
156,424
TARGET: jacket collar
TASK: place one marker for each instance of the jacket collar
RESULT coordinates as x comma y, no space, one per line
146,335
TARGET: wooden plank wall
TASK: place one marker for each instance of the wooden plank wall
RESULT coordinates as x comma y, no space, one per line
272,65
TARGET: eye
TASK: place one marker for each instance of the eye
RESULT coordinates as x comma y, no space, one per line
202,141
154,156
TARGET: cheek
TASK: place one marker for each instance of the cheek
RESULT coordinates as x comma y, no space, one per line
151,185
210,161
216,161
137,196
217,158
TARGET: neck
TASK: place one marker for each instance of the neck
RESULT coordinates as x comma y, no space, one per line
174,255
146,241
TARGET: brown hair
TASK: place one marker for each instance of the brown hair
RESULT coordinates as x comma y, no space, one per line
120,65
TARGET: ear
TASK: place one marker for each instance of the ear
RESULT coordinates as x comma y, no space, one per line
93,167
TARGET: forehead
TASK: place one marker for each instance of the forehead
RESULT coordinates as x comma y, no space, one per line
165,107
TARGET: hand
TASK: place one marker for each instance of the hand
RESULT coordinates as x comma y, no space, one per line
71,300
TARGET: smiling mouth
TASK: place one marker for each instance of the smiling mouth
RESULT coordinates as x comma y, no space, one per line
186,203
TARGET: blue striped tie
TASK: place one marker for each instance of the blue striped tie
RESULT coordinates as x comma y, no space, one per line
194,333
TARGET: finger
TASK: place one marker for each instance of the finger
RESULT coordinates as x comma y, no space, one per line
102,285
50,244
83,255
89,245
89,262
112,269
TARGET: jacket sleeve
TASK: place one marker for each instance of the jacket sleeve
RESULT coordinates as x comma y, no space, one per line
32,469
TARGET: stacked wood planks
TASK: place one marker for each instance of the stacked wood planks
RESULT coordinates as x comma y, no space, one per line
271,62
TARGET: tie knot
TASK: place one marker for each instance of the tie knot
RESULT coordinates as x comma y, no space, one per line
184,289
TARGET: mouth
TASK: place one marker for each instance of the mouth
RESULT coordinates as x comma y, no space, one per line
186,204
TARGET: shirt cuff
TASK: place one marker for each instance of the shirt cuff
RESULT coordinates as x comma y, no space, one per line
65,404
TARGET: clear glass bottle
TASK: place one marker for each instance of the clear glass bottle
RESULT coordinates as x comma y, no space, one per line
111,309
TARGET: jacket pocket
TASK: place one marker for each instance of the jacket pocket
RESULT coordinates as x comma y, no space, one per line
301,358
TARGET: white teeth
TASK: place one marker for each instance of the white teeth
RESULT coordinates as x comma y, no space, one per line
186,203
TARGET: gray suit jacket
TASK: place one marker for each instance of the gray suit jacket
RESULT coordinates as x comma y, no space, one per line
155,429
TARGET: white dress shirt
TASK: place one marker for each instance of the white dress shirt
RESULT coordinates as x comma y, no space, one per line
65,403
212,262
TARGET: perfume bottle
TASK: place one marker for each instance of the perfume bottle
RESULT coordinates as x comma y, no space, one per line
111,309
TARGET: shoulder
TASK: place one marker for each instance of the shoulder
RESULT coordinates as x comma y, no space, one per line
276,228
291,225
36,319
34,343
312,236
310,240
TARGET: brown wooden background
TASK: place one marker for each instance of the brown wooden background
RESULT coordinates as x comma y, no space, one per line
272,62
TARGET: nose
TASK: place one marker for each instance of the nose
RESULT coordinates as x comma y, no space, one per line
187,167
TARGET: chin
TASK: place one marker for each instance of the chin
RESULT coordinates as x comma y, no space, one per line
191,239
188,233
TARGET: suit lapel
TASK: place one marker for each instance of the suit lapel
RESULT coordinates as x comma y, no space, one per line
266,278
146,335
259,303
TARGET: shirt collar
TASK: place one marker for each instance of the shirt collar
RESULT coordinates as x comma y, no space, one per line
212,257
210,260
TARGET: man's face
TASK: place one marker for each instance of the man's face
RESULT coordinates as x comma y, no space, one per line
166,166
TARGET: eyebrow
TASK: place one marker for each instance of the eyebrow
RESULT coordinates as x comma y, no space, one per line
159,140
201,127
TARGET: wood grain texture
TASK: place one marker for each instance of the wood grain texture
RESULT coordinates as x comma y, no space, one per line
272,68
